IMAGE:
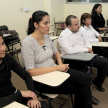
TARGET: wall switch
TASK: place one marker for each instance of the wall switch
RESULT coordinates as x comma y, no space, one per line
26,9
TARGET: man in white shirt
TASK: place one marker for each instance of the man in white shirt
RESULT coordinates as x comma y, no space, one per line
71,41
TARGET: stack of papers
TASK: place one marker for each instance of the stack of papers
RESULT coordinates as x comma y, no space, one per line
6,35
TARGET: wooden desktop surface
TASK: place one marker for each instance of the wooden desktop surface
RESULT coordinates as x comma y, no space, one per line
100,44
79,56
15,105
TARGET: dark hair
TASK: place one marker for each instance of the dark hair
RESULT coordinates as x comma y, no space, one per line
84,17
68,19
37,16
1,35
94,8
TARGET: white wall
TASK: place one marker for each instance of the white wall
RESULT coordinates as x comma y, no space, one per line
12,16
57,9
78,9
54,8
46,6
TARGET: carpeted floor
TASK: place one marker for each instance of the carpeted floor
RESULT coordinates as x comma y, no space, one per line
101,96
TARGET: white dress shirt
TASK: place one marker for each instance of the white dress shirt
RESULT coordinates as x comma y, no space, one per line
70,42
90,33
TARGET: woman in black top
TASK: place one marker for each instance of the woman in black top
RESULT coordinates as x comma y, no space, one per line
8,93
98,21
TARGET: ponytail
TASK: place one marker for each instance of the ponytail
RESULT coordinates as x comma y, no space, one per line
31,27
36,17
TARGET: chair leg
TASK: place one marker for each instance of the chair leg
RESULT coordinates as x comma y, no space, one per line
44,97
49,101
57,33
53,33
64,102
72,100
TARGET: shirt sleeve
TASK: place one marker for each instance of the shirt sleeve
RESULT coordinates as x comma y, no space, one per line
96,33
66,46
86,42
15,66
28,55
11,98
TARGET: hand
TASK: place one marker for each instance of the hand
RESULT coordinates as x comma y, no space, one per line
33,104
63,67
89,49
92,52
28,94
100,39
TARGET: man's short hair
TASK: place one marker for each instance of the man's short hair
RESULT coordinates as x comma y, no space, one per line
68,20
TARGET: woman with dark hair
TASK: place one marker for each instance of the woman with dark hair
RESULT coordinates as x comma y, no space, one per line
38,50
92,35
98,21
8,93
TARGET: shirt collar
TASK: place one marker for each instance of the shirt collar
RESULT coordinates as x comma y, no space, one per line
69,32
90,27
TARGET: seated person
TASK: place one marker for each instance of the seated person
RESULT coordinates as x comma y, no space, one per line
71,41
8,93
38,50
91,34
98,21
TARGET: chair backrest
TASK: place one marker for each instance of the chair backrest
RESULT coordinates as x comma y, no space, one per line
4,27
107,22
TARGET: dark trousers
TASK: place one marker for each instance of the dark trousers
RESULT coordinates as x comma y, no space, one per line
102,51
78,83
102,68
100,63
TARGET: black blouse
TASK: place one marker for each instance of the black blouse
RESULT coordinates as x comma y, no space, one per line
98,21
8,64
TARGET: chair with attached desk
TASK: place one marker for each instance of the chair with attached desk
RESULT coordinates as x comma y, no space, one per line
51,32
83,57
58,78
10,39
15,105
19,105
59,24
104,37
100,44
